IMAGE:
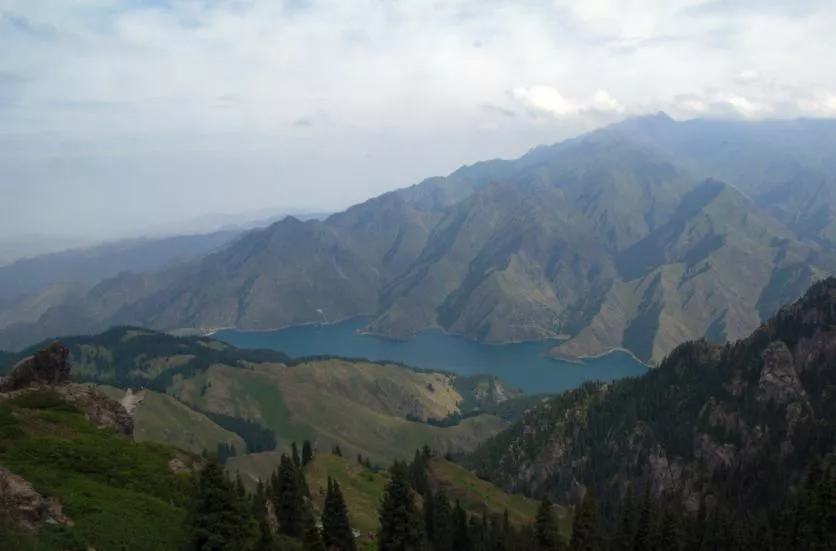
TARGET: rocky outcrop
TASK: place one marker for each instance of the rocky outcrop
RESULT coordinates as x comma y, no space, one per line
100,409
26,508
49,366
779,381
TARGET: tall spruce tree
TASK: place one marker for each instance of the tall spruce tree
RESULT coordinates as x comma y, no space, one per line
625,532
311,536
428,505
585,528
288,499
545,526
401,525
461,534
266,541
442,523
644,530
307,452
336,529
218,519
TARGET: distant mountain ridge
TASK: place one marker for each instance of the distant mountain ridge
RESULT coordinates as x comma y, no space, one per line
639,235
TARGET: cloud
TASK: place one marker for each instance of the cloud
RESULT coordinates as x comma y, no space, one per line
202,101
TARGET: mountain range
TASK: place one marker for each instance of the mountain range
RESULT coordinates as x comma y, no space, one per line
639,235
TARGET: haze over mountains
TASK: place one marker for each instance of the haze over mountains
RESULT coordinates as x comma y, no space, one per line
640,235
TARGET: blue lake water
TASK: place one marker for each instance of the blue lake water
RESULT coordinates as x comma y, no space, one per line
523,365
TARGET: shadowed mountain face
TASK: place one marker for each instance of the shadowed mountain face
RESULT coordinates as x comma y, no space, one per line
737,424
639,235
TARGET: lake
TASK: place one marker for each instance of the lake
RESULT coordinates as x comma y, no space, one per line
523,365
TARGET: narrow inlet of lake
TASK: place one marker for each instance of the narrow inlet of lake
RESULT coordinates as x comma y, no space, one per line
524,365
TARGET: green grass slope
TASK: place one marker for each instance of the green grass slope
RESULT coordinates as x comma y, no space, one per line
162,418
120,494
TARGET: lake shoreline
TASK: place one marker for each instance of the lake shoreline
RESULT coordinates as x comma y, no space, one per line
525,365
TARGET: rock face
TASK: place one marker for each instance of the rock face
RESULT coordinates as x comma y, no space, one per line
27,508
49,366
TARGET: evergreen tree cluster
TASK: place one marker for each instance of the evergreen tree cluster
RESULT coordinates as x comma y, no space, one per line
225,451
224,517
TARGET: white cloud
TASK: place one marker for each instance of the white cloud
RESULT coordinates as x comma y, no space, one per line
206,95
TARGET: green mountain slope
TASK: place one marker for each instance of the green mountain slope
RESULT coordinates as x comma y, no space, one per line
162,418
618,238
737,424
118,494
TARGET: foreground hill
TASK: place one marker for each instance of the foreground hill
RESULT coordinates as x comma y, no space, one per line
200,390
639,235
80,486
733,425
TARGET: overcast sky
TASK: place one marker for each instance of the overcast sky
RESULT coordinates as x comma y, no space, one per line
118,115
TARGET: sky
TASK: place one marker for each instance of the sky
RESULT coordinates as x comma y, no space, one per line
121,115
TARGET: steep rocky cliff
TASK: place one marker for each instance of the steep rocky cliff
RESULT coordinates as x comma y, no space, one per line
737,423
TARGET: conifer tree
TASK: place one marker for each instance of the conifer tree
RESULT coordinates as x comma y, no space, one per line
265,536
670,535
401,525
311,536
442,523
585,525
260,500
239,487
625,534
307,452
429,515
644,536
288,500
336,529
337,451
218,519
461,535
545,527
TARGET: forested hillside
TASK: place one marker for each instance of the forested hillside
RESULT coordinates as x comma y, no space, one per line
732,428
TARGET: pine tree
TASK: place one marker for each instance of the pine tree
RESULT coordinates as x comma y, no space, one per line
400,521
545,527
429,515
307,452
670,534
644,535
260,500
239,487
311,536
461,535
625,534
218,519
442,523
336,529
475,534
288,500
585,525
265,536
297,462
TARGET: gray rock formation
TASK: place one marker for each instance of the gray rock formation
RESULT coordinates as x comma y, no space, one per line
26,508
49,366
